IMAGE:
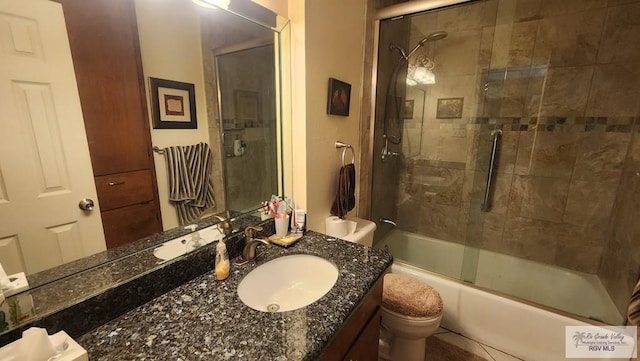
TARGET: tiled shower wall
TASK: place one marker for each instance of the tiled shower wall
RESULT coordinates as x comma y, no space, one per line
620,263
562,80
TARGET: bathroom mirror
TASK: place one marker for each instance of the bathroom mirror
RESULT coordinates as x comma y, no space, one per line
236,30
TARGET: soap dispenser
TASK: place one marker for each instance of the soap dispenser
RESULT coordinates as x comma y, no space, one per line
222,261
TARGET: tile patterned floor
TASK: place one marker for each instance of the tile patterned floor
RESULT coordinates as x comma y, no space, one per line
445,345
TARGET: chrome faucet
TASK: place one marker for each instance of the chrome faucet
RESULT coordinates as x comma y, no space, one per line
388,221
249,251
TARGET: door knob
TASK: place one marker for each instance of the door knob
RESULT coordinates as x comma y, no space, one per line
86,204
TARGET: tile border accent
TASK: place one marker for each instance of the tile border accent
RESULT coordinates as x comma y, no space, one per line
550,124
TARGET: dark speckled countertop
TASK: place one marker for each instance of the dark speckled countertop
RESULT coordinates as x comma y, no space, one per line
204,319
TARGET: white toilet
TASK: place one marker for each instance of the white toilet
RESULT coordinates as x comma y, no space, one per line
411,309
356,230
411,312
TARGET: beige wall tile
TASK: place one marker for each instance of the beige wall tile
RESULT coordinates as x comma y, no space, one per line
619,268
458,53
501,43
564,91
462,18
550,154
485,230
622,29
600,156
505,97
513,11
531,239
615,89
589,204
563,7
440,185
408,215
521,43
424,25
439,221
579,257
486,45
616,273
569,40
540,198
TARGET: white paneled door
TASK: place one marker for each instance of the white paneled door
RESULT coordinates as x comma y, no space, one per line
45,168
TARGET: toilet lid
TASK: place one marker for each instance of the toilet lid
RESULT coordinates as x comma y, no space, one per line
410,297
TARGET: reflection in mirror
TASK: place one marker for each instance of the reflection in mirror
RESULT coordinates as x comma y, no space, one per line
246,87
413,115
46,138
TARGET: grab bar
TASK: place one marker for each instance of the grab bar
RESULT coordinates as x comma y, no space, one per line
486,205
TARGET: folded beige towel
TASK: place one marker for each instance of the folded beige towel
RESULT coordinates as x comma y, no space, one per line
410,297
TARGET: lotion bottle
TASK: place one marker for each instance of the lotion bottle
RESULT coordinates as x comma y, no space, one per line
222,261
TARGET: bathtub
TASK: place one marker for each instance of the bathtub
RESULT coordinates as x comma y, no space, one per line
519,328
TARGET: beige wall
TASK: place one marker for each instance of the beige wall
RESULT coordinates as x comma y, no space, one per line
280,7
334,37
170,47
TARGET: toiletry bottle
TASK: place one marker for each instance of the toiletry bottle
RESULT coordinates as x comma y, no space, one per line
222,261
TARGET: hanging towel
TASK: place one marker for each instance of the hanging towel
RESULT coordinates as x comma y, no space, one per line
190,182
633,310
345,194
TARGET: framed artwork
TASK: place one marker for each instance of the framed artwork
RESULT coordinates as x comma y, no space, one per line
338,98
173,104
247,108
449,108
408,109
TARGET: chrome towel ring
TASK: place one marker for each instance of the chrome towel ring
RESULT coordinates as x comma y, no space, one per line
344,147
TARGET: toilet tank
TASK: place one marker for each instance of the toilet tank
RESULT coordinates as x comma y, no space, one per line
360,231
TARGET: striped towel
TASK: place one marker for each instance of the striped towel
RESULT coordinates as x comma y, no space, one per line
633,309
190,183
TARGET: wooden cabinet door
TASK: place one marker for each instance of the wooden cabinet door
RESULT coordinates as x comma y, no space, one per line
366,346
105,48
106,56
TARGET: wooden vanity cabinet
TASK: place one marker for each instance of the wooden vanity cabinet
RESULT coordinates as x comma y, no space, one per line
106,56
358,339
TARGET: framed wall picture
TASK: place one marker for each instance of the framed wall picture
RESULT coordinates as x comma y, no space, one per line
173,104
338,98
449,108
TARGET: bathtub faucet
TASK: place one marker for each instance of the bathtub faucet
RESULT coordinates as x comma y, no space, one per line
388,221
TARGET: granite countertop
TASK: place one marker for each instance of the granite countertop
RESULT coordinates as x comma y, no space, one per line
205,319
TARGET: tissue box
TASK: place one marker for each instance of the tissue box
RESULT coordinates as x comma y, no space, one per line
72,351
17,283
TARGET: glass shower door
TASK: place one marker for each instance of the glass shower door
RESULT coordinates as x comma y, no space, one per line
561,87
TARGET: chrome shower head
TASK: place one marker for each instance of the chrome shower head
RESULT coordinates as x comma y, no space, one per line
438,35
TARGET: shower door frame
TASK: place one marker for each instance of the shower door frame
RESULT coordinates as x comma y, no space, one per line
389,12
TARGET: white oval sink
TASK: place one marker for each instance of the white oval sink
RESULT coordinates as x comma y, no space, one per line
287,283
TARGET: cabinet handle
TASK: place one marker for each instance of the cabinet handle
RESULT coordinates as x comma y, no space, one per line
111,184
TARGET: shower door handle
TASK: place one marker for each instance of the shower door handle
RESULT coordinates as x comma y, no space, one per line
385,150
487,203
